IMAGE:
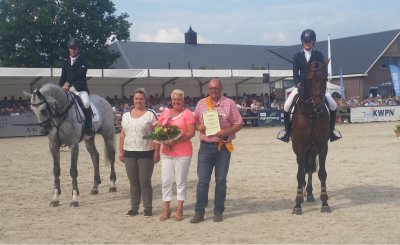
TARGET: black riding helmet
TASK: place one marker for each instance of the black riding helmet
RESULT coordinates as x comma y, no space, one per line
307,36
74,43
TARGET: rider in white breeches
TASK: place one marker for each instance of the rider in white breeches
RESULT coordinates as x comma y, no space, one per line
73,79
300,60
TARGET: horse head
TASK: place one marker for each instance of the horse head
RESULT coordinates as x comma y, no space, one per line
45,104
316,77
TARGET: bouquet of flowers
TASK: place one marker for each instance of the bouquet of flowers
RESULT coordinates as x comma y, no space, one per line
164,134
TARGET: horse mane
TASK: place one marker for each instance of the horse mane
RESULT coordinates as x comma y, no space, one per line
52,92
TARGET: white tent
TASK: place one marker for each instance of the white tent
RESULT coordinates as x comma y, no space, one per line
110,82
330,87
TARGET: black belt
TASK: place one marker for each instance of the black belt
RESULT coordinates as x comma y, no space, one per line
209,143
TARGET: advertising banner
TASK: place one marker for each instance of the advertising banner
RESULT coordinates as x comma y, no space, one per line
22,125
395,74
375,114
270,118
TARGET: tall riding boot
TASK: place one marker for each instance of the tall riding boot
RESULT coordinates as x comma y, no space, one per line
332,123
288,125
88,119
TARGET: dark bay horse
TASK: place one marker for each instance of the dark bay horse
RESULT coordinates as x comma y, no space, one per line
58,115
310,135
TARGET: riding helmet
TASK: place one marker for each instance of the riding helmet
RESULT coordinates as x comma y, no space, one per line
308,35
74,43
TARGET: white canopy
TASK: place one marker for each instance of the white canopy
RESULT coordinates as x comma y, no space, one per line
330,87
119,82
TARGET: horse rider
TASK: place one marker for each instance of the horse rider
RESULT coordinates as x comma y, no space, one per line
73,79
300,60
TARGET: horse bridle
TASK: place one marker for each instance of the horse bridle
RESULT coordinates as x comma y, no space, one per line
51,110
313,97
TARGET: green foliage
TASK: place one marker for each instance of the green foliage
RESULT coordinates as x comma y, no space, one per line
34,33
161,133
397,127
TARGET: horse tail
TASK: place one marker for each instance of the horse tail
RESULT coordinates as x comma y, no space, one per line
311,159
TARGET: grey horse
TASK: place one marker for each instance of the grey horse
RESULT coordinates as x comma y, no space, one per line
58,115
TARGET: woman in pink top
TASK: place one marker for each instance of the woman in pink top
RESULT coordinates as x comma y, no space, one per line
175,163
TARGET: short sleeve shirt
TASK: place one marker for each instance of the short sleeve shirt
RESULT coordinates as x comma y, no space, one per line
184,119
228,116
135,129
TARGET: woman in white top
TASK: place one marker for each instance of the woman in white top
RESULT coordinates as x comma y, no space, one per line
138,154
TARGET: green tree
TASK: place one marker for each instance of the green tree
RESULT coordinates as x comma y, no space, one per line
34,33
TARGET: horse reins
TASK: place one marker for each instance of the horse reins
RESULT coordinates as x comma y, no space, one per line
55,114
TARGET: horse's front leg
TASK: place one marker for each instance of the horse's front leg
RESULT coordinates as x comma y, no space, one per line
74,174
322,177
309,188
94,154
301,182
55,153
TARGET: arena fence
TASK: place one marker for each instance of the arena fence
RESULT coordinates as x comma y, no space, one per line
24,125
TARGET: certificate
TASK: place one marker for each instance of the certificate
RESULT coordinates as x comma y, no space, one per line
211,122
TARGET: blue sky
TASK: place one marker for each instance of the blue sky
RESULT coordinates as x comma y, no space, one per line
256,22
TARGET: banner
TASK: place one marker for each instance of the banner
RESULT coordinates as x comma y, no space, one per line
395,73
341,83
270,117
22,125
375,114
330,59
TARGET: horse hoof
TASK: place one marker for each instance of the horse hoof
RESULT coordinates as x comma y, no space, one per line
310,198
74,204
54,203
297,211
94,192
113,189
325,209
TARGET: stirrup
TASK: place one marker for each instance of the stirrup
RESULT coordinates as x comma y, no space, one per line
333,136
285,138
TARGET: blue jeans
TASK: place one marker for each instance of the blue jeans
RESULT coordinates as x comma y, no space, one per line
209,157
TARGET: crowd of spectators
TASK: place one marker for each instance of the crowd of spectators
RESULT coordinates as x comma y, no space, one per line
248,104
14,107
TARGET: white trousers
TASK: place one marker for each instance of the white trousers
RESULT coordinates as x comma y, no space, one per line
331,102
177,167
83,95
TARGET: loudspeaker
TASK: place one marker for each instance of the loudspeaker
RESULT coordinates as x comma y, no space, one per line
265,77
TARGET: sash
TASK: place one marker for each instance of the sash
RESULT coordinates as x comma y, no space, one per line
228,144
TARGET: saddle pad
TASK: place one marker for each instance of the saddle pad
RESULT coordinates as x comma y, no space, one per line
96,116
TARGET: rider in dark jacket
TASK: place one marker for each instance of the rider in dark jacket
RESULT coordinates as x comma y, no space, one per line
73,78
300,60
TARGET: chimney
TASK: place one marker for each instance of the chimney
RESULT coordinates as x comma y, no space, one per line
191,36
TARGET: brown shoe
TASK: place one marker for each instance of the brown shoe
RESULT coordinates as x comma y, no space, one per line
165,214
197,218
217,218
179,215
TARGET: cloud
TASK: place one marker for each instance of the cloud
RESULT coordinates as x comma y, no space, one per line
171,35
278,37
